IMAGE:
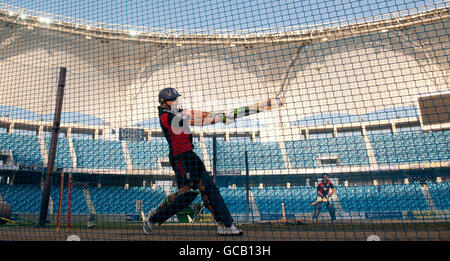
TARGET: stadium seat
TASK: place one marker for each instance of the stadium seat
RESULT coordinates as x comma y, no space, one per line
231,154
22,198
394,197
305,153
25,148
296,199
438,192
118,200
145,154
78,204
99,154
411,147
63,157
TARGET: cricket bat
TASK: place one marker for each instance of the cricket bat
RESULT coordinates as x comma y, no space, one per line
320,199
142,216
263,106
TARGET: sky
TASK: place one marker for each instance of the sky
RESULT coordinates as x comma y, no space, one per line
221,15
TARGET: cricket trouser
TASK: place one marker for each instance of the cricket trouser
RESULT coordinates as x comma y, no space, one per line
190,170
211,195
330,208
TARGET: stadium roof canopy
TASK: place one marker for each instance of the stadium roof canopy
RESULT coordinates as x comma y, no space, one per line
115,71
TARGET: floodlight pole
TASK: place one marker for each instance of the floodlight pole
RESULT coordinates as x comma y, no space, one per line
53,144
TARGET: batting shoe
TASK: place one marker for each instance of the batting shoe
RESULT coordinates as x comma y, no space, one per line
232,230
147,227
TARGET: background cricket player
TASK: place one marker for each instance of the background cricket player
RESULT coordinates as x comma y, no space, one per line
325,190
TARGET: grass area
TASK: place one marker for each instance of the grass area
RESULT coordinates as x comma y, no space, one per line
275,226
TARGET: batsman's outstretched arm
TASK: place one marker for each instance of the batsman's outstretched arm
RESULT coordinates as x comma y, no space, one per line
199,118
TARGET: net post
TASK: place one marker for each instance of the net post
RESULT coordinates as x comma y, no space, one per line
69,199
52,152
61,187
283,211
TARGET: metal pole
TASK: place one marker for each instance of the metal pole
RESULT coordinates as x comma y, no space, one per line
61,187
69,199
52,152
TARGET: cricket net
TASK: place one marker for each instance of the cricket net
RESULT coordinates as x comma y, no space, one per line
356,90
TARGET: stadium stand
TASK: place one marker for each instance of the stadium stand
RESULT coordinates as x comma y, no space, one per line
118,200
236,199
261,155
439,192
145,154
99,154
411,147
78,204
393,197
297,199
63,158
401,147
22,198
264,203
350,150
25,148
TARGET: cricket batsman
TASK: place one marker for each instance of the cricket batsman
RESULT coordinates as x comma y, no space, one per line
190,172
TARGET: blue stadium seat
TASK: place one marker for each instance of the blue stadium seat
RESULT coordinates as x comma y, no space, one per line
78,204
22,198
351,150
296,200
99,154
236,200
145,154
25,148
118,200
439,193
63,157
231,154
395,197
411,147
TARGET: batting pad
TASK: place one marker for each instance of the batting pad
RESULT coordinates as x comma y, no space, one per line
180,202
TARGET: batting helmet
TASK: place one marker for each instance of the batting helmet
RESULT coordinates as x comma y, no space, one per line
168,94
